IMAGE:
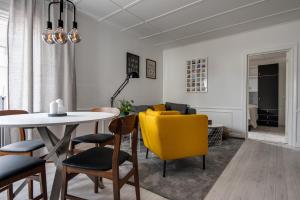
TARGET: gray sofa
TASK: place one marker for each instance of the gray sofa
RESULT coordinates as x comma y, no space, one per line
182,108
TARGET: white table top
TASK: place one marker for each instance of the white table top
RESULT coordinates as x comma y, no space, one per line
42,119
215,126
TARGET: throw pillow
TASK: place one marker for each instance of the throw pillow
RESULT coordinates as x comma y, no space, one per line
159,107
175,106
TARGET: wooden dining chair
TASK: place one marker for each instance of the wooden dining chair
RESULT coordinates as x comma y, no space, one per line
15,167
99,139
23,147
105,161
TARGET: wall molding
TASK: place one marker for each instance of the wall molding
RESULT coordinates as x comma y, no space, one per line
230,123
218,108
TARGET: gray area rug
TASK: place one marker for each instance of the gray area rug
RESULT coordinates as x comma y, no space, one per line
185,178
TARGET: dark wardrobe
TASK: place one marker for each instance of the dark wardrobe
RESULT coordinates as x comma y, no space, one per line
268,95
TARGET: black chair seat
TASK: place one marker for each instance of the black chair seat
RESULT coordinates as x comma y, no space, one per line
23,146
13,165
93,138
95,159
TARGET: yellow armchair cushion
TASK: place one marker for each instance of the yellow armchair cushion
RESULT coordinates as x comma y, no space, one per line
159,107
157,113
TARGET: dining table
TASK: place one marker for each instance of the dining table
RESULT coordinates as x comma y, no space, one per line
58,147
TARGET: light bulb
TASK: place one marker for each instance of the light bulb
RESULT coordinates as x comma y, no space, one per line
59,36
74,36
47,34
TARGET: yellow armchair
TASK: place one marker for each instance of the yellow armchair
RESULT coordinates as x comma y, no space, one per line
170,135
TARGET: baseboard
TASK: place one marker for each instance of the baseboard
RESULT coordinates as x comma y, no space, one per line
235,134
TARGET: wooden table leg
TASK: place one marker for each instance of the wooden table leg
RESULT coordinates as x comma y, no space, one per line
58,149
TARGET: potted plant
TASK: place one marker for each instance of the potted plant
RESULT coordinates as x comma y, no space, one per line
125,107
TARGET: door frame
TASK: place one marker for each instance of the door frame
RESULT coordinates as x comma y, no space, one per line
291,88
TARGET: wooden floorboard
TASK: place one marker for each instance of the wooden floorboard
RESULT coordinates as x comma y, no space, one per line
260,171
83,187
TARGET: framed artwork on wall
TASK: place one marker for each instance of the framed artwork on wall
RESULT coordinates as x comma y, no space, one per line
196,75
150,69
133,64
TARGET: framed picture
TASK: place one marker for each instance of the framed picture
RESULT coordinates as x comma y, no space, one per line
196,75
150,69
133,64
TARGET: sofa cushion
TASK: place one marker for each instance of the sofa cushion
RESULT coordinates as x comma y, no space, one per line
140,108
159,107
157,113
191,111
176,106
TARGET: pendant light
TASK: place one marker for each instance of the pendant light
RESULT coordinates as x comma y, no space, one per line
59,36
73,35
47,34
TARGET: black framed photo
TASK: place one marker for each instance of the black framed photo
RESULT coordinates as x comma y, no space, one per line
133,64
150,69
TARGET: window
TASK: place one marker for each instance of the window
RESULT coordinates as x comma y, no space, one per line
3,54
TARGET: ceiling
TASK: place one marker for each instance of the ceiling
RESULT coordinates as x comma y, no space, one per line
178,22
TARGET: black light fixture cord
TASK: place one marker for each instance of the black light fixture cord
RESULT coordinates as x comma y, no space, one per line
61,8
61,2
49,15
74,10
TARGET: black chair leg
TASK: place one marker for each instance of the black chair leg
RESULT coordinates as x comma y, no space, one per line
164,170
147,153
203,158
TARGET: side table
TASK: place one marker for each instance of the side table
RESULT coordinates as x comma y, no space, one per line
215,132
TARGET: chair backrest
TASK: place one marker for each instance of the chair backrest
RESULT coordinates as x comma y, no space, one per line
124,126
22,135
112,110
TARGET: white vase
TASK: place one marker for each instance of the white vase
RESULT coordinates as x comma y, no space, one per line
60,107
53,107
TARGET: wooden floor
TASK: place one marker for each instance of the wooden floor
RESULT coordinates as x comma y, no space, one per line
260,171
83,187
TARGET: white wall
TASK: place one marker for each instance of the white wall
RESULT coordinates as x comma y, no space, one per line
225,101
101,66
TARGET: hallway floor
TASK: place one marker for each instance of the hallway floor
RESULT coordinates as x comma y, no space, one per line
267,133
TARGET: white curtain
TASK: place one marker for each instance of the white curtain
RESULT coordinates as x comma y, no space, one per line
38,73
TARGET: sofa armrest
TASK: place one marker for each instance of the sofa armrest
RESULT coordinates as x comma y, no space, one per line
191,111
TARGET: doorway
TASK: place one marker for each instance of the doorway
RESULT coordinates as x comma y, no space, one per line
266,102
